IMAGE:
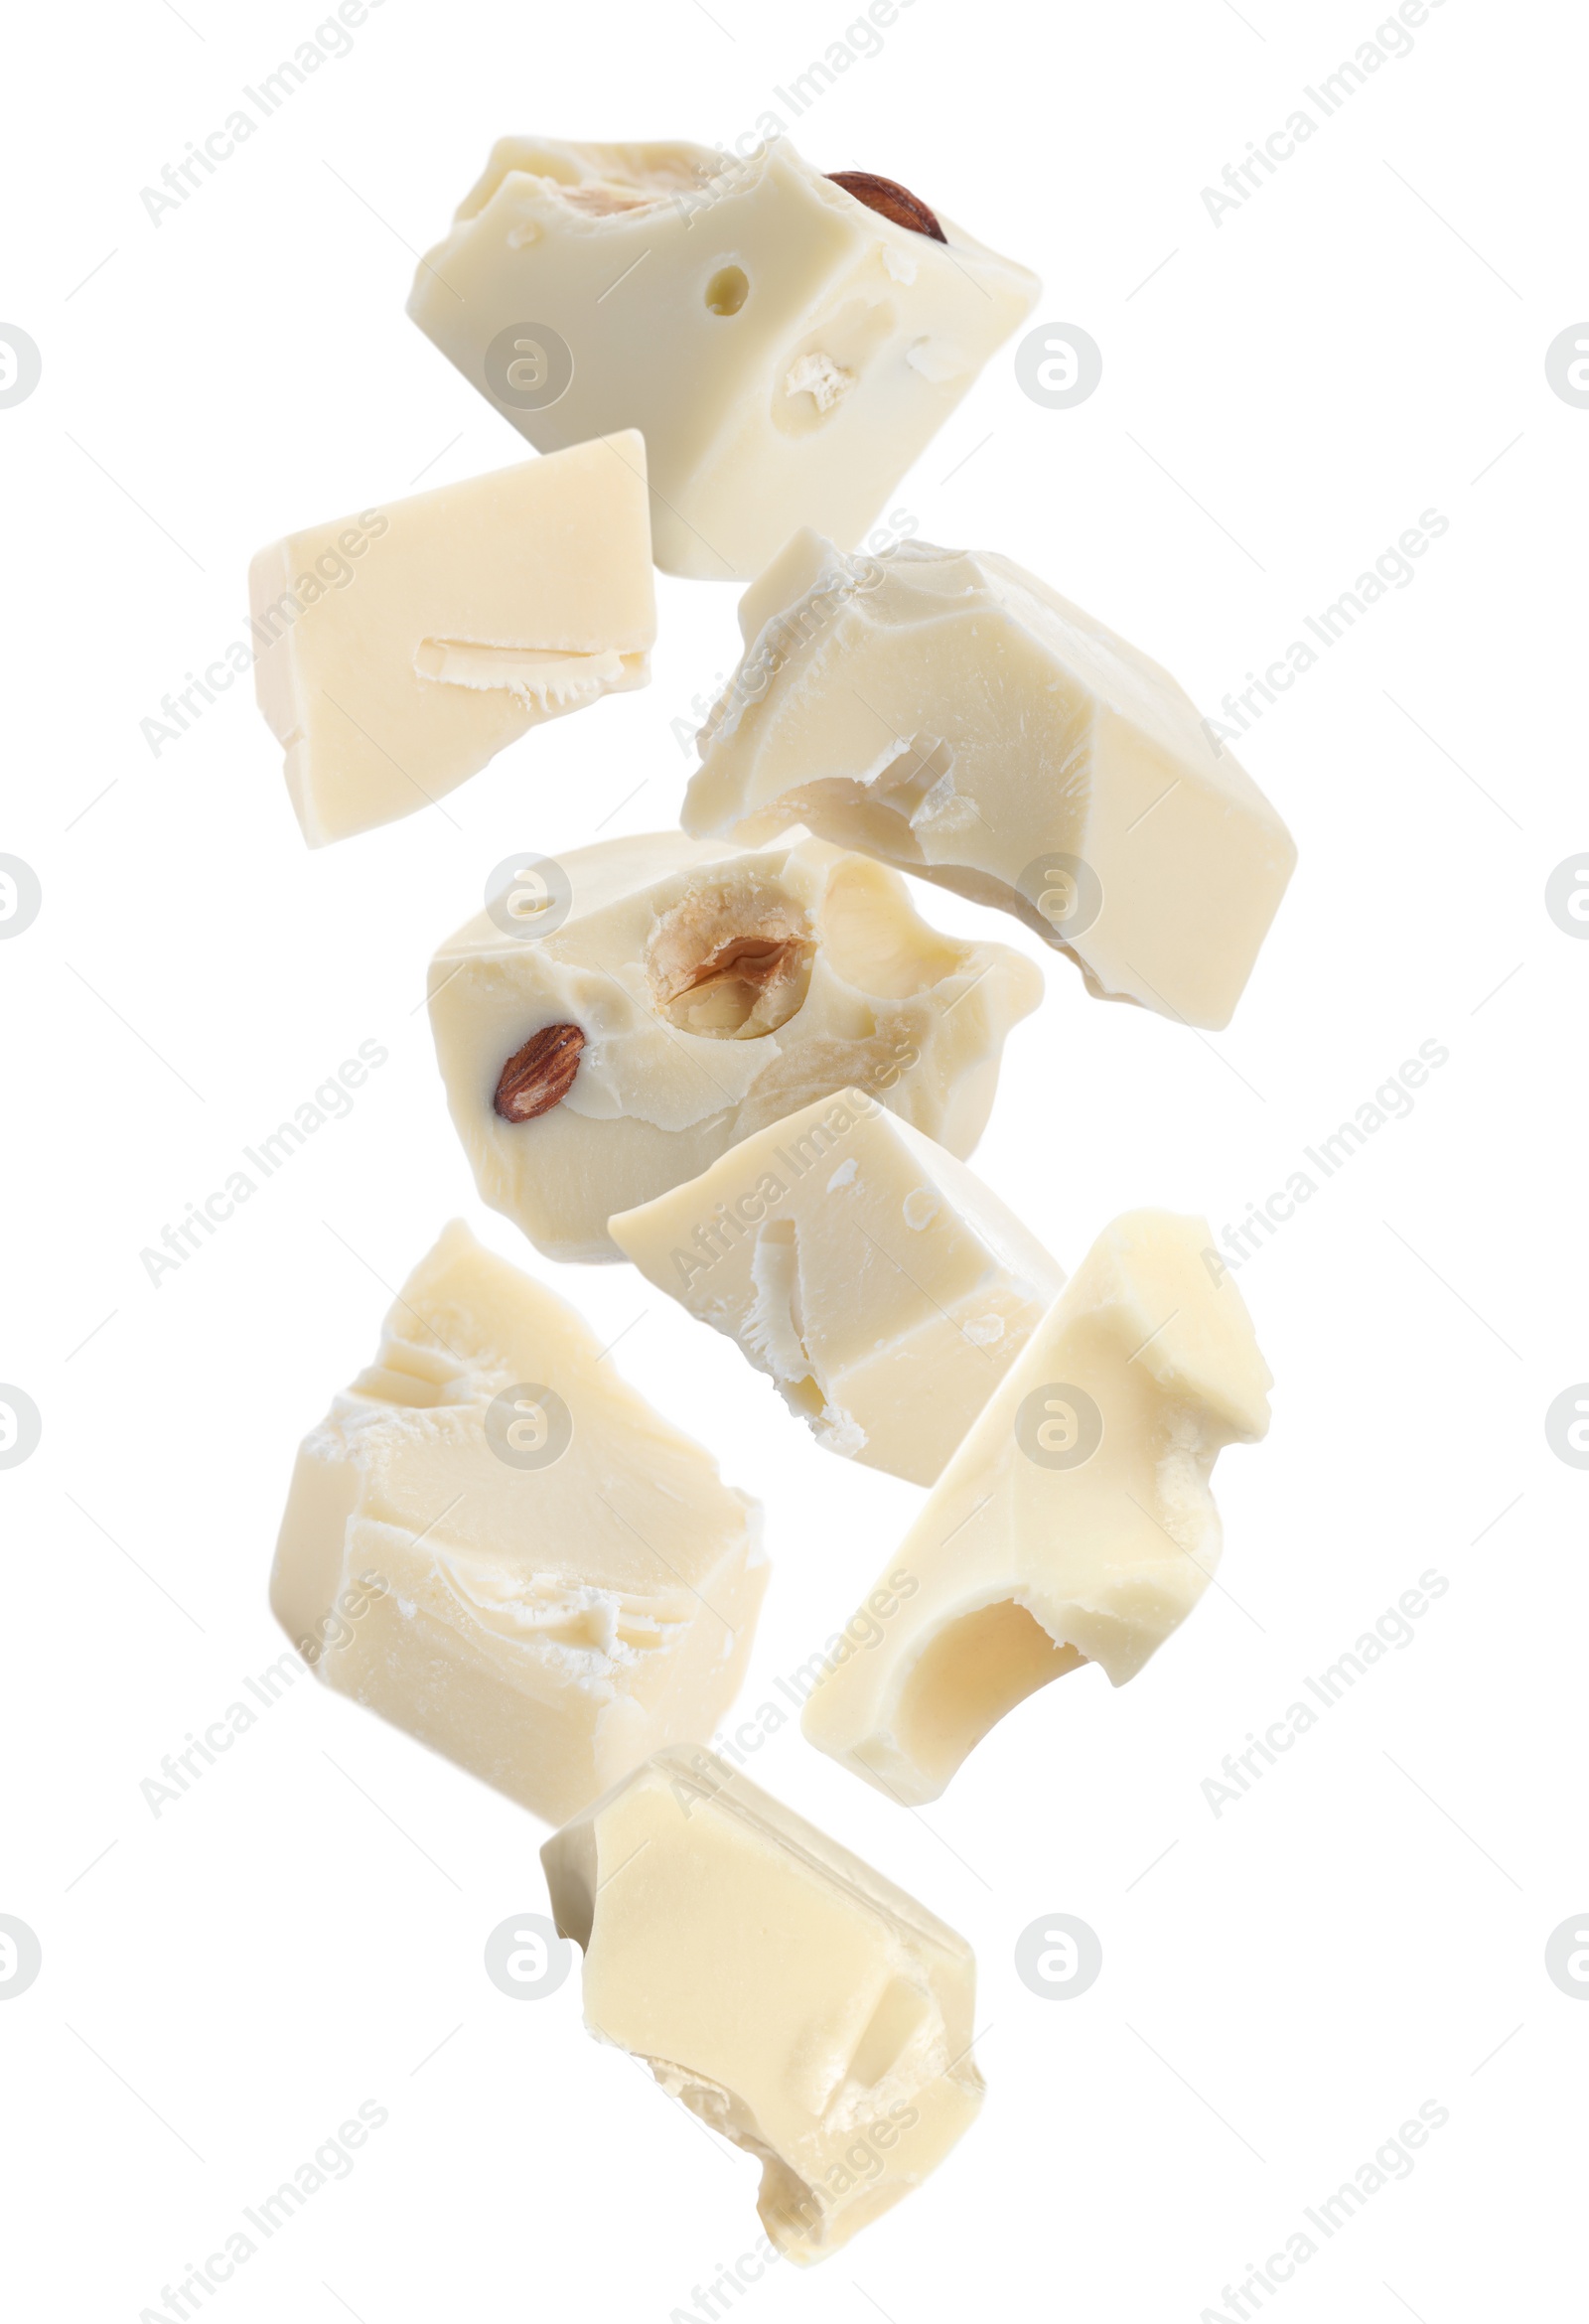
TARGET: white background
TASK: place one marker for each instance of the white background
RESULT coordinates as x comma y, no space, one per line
1365,1930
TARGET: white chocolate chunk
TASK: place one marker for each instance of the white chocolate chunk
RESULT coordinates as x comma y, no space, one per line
789,1996
716,991
884,1288
1073,1524
786,351
496,1544
953,714
401,650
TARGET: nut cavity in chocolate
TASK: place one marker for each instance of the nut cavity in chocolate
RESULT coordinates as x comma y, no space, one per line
1078,789
718,989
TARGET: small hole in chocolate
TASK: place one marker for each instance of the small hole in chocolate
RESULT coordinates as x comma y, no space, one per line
728,290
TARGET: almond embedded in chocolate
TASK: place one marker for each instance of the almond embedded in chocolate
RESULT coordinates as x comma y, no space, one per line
890,200
540,1075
